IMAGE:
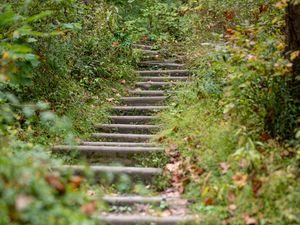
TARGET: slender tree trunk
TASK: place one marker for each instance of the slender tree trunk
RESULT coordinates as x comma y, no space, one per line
293,32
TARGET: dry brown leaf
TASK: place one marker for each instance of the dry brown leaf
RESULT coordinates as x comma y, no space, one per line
55,182
256,185
239,179
208,201
89,208
76,181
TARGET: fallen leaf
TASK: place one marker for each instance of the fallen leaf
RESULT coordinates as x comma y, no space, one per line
229,15
110,99
23,201
89,208
239,179
91,193
231,197
224,167
256,185
249,220
243,163
263,8
55,182
115,44
232,208
76,181
172,167
208,201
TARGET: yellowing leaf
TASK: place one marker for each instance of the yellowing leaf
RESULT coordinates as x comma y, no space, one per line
294,55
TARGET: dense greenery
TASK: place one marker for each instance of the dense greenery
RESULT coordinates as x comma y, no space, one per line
235,126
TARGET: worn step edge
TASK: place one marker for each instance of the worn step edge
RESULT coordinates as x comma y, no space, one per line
106,149
127,126
130,200
164,78
140,46
149,93
133,108
146,171
132,119
142,219
123,144
123,136
144,99
161,64
163,72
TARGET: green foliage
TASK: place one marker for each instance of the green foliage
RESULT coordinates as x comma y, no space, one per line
29,196
237,121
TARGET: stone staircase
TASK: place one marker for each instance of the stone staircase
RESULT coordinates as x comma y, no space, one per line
130,133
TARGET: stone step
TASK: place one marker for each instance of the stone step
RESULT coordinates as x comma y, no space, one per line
140,108
131,200
121,144
106,149
148,92
124,219
127,128
123,137
150,85
164,78
164,72
141,172
140,46
152,100
150,52
160,64
132,119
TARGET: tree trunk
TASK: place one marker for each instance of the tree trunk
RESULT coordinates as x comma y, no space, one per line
293,32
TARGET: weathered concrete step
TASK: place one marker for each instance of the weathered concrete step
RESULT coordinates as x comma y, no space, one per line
130,200
140,108
151,84
142,219
123,137
144,172
143,100
127,127
167,65
140,46
164,72
148,93
132,119
150,52
106,149
164,78
123,144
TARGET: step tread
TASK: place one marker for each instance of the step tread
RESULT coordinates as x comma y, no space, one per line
116,219
110,149
123,135
147,47
132,126
133,199
146,72
126,144
144,98
160,63
116,169
149,92
163,78
140,107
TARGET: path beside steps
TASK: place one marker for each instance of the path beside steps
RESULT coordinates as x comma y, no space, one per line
130,132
